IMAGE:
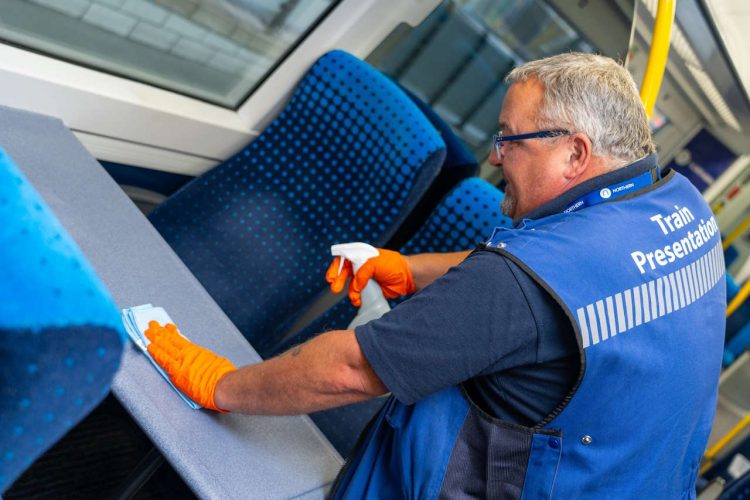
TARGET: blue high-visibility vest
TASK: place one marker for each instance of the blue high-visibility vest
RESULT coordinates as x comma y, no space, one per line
642,279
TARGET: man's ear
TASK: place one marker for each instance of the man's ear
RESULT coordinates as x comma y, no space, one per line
579,155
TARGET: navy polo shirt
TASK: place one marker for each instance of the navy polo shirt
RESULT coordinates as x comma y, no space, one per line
488,325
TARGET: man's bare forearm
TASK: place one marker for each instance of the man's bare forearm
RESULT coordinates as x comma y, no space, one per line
427,267
330,370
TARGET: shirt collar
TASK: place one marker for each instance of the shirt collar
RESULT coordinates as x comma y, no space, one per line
563,201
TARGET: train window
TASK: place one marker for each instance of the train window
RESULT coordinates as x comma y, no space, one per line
531,28
216,51
456,59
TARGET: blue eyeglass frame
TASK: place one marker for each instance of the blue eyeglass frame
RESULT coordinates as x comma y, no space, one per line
499,139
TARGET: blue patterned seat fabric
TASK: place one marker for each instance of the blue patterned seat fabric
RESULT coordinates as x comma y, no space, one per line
461,221
460,163
346,160
61,337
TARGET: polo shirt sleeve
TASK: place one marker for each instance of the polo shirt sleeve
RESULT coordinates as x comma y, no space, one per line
473,319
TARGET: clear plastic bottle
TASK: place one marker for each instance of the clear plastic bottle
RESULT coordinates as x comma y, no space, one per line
374,304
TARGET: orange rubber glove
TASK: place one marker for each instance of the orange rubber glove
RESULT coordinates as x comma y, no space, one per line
193,369
389,269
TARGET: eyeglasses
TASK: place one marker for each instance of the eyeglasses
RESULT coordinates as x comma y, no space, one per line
499,139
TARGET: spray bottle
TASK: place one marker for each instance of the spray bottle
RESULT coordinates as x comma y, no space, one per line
374,304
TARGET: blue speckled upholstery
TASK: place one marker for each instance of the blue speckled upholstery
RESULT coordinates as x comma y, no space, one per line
346,160
61,337
462,220
460,163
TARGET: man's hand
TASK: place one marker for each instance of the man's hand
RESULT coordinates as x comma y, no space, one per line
390,269
193,369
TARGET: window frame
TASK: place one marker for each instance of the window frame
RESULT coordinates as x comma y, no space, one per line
129,122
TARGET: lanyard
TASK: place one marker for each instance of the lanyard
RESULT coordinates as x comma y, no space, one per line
615,190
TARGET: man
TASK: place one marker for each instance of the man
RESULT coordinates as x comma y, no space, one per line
575,355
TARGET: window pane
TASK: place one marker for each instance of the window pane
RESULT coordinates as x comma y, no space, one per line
215,50
457,58
529,27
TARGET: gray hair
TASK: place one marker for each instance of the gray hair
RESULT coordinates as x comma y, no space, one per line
594,95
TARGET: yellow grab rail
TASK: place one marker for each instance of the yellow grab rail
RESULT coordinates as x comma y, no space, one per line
738,299
657,56
736,233
744,292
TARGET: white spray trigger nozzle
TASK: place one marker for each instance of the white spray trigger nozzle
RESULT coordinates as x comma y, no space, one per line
357,253
374,304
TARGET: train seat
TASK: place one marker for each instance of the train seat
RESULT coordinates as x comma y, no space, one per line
460,163
464,218
347,159
61,337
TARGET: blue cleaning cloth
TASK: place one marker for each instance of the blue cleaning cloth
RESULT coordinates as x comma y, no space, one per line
136,321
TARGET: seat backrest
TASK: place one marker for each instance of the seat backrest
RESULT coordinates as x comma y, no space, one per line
461,221
460,163
464,219
61,337
347,159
